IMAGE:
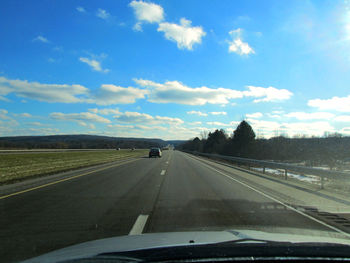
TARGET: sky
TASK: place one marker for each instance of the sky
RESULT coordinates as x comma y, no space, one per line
174,69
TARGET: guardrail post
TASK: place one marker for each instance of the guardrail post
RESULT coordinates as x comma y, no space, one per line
322,182
285,174
263,169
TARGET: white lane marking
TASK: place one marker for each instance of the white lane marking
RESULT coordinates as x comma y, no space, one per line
139,225
280,202
167,162
162,172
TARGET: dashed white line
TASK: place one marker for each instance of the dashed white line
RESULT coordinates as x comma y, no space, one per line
167,162
162,172
139,225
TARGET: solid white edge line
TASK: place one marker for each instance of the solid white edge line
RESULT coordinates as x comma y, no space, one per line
162,172
280,202
139,225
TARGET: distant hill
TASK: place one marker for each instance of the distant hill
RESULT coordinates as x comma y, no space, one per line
79,142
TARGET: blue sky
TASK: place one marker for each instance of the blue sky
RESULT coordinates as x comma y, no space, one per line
174,69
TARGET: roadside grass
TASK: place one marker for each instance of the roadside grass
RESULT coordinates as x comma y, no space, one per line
19,166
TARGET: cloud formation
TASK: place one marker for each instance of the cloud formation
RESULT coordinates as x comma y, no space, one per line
176,92
136,117
103,14
341,104
271,128
81,9
94,64
83,116
147,12
237,45
183,34
41,38
255,115
43,92
310,116
111,94
199,113
342,118
105,111
218,113
269,94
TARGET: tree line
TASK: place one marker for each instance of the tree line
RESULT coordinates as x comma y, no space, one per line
243,143
77,142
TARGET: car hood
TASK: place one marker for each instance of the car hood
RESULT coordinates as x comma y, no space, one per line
174,239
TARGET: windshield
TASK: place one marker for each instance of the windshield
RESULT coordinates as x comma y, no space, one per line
123,118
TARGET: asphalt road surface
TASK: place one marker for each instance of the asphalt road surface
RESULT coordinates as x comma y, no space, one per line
174,193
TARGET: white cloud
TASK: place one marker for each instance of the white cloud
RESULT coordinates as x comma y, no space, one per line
309,128
271,128
7,124
221,124
23,115
107,94
218,124
147,12
199,113
79,117
3,114
105,111
150,128
81,9
255,115
345,130
168,120
130,128
101,13
176,92
218,113
94,64
183,34
137,27
310,116
237,45
136,117
110,94
36,123
40,131
342,118
41,39
43,92
89,125
195,123
341,104
268,94
126,127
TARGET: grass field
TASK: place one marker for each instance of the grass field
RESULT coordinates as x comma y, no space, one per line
18,166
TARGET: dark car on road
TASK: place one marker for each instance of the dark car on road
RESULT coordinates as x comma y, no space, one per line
155,152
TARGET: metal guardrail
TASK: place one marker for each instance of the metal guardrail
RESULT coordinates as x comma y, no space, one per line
334,175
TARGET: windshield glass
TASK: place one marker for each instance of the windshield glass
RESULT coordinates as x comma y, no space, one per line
122,118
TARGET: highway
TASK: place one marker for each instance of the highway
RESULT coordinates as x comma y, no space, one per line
174,193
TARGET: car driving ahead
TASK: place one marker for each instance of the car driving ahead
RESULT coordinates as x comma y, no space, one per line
155,152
